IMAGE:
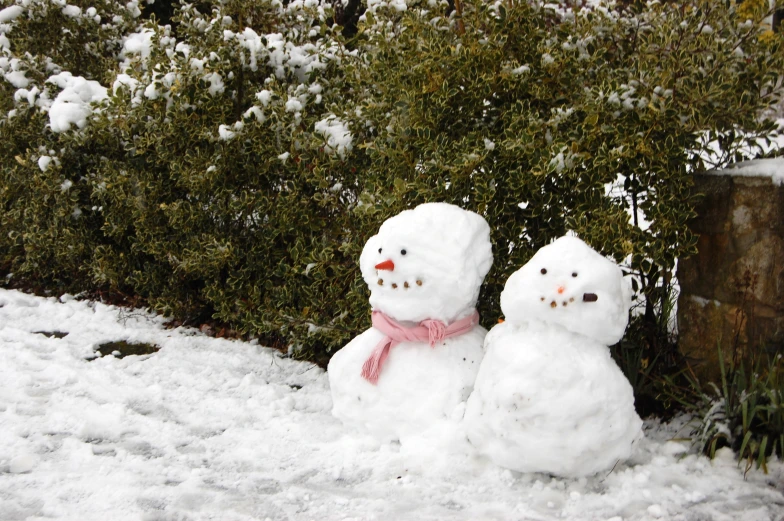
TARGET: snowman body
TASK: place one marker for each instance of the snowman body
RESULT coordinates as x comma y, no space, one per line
425,264
419,388
548,396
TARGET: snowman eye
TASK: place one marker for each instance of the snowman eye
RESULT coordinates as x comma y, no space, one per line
544,271
403,252
574,274
379,250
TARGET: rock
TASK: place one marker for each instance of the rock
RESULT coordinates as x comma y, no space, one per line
732,291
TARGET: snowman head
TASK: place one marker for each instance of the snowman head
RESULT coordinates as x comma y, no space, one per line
427,263
569,284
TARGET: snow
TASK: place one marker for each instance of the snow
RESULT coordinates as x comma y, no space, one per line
28,95
420,395
216,83
72,11
264,97
547,400
225,133
337,134
72,106
17,79
44,162
10,13
397,5
216,429
294,105
124,80
251,41
772,168
138,44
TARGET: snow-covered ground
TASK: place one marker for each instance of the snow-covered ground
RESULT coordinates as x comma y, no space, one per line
225,430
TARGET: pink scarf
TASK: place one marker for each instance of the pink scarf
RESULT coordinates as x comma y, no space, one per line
432,331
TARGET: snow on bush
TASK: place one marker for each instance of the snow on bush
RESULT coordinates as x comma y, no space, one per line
337,134
73,105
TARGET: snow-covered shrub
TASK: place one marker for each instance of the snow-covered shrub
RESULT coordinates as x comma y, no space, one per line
744,412
232,166
224,183
53,54
545,119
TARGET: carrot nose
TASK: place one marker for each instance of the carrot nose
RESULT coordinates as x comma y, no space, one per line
386,265
561,289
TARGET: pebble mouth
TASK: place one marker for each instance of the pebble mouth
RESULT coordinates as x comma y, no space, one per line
406,284
588,297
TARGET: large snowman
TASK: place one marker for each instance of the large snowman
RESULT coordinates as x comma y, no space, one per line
548,397
416,366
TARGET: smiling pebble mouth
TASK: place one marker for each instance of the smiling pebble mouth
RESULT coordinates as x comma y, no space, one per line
406,284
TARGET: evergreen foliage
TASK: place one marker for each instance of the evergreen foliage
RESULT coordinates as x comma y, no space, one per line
546,121
237,166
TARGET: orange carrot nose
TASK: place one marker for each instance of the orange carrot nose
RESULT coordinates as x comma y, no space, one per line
386,265
561,289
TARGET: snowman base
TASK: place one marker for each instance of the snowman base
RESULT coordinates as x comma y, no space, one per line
420,389
567,411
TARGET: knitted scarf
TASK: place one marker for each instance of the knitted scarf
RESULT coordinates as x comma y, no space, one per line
431,331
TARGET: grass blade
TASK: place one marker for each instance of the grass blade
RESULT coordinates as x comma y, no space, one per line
743,446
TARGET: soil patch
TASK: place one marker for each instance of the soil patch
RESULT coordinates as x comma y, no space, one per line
122,349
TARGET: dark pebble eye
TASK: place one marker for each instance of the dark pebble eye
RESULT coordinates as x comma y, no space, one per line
403,252
379,250
544,271
574,274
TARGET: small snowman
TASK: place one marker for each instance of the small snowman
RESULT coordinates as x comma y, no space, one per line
416,366
548,396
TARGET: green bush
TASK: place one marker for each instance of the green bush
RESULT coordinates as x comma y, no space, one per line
215,181
44,235
530,114
221,196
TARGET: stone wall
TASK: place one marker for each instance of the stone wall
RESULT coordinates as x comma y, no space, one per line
732,291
